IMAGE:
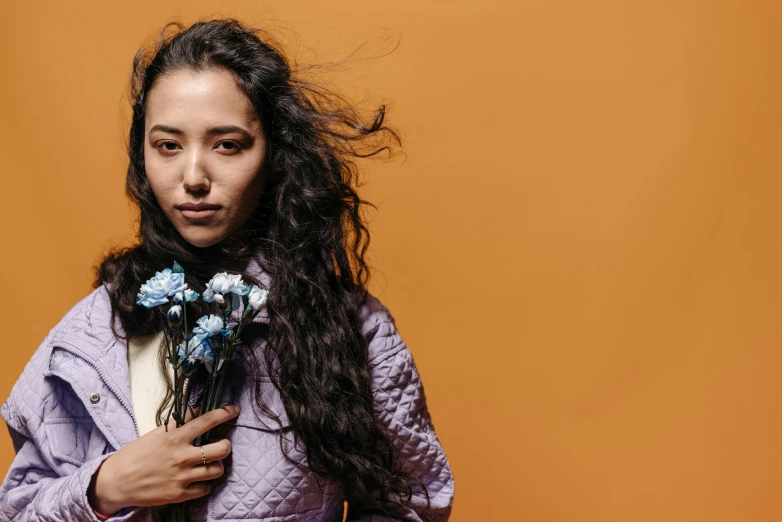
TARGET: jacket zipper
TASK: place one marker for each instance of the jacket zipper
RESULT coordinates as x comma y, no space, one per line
127,407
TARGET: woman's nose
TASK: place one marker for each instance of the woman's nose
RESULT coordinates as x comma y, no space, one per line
196,177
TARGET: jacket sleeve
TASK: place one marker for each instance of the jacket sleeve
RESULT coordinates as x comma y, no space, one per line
400,408
32,491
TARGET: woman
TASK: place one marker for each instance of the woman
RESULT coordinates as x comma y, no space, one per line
236,165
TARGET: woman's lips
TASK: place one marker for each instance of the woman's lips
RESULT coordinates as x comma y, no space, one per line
197,212
198,215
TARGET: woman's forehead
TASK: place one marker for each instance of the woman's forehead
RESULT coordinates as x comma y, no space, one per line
192,100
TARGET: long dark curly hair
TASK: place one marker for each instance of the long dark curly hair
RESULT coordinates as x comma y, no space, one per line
310,227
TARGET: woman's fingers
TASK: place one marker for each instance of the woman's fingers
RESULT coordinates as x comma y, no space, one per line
190,416
203,423
171,426
183,475
209,471
196,456
217,450
195,490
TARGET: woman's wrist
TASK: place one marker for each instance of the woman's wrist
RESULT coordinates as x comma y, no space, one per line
102,508
100,516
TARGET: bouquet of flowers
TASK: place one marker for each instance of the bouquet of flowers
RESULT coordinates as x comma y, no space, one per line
213,341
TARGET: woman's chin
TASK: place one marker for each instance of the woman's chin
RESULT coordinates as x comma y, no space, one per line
202,239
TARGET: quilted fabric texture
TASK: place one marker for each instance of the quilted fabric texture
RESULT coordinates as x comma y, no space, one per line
70,409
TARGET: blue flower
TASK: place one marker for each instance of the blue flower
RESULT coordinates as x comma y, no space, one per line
157,290
199,349
209,326
226,332
188,296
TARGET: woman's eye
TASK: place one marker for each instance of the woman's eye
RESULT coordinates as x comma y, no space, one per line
231,146
164,145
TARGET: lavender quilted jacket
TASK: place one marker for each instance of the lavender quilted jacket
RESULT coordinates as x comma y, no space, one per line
71,409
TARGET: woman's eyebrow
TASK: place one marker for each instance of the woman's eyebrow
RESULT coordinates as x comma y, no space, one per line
214,131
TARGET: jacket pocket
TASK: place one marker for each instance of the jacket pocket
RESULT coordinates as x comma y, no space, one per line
71,441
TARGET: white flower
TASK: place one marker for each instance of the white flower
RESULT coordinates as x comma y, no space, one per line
209,325
222,284
258,298
159,288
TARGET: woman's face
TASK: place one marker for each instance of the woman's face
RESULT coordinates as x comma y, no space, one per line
203,153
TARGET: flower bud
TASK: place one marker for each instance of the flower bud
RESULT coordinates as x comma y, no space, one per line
175,315
189,367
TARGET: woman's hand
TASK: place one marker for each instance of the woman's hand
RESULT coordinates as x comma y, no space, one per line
162,467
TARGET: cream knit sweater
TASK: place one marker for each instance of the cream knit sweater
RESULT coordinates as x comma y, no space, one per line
147,384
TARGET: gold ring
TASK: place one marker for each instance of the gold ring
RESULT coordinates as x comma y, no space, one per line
203,457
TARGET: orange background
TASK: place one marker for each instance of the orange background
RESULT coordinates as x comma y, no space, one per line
581,247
